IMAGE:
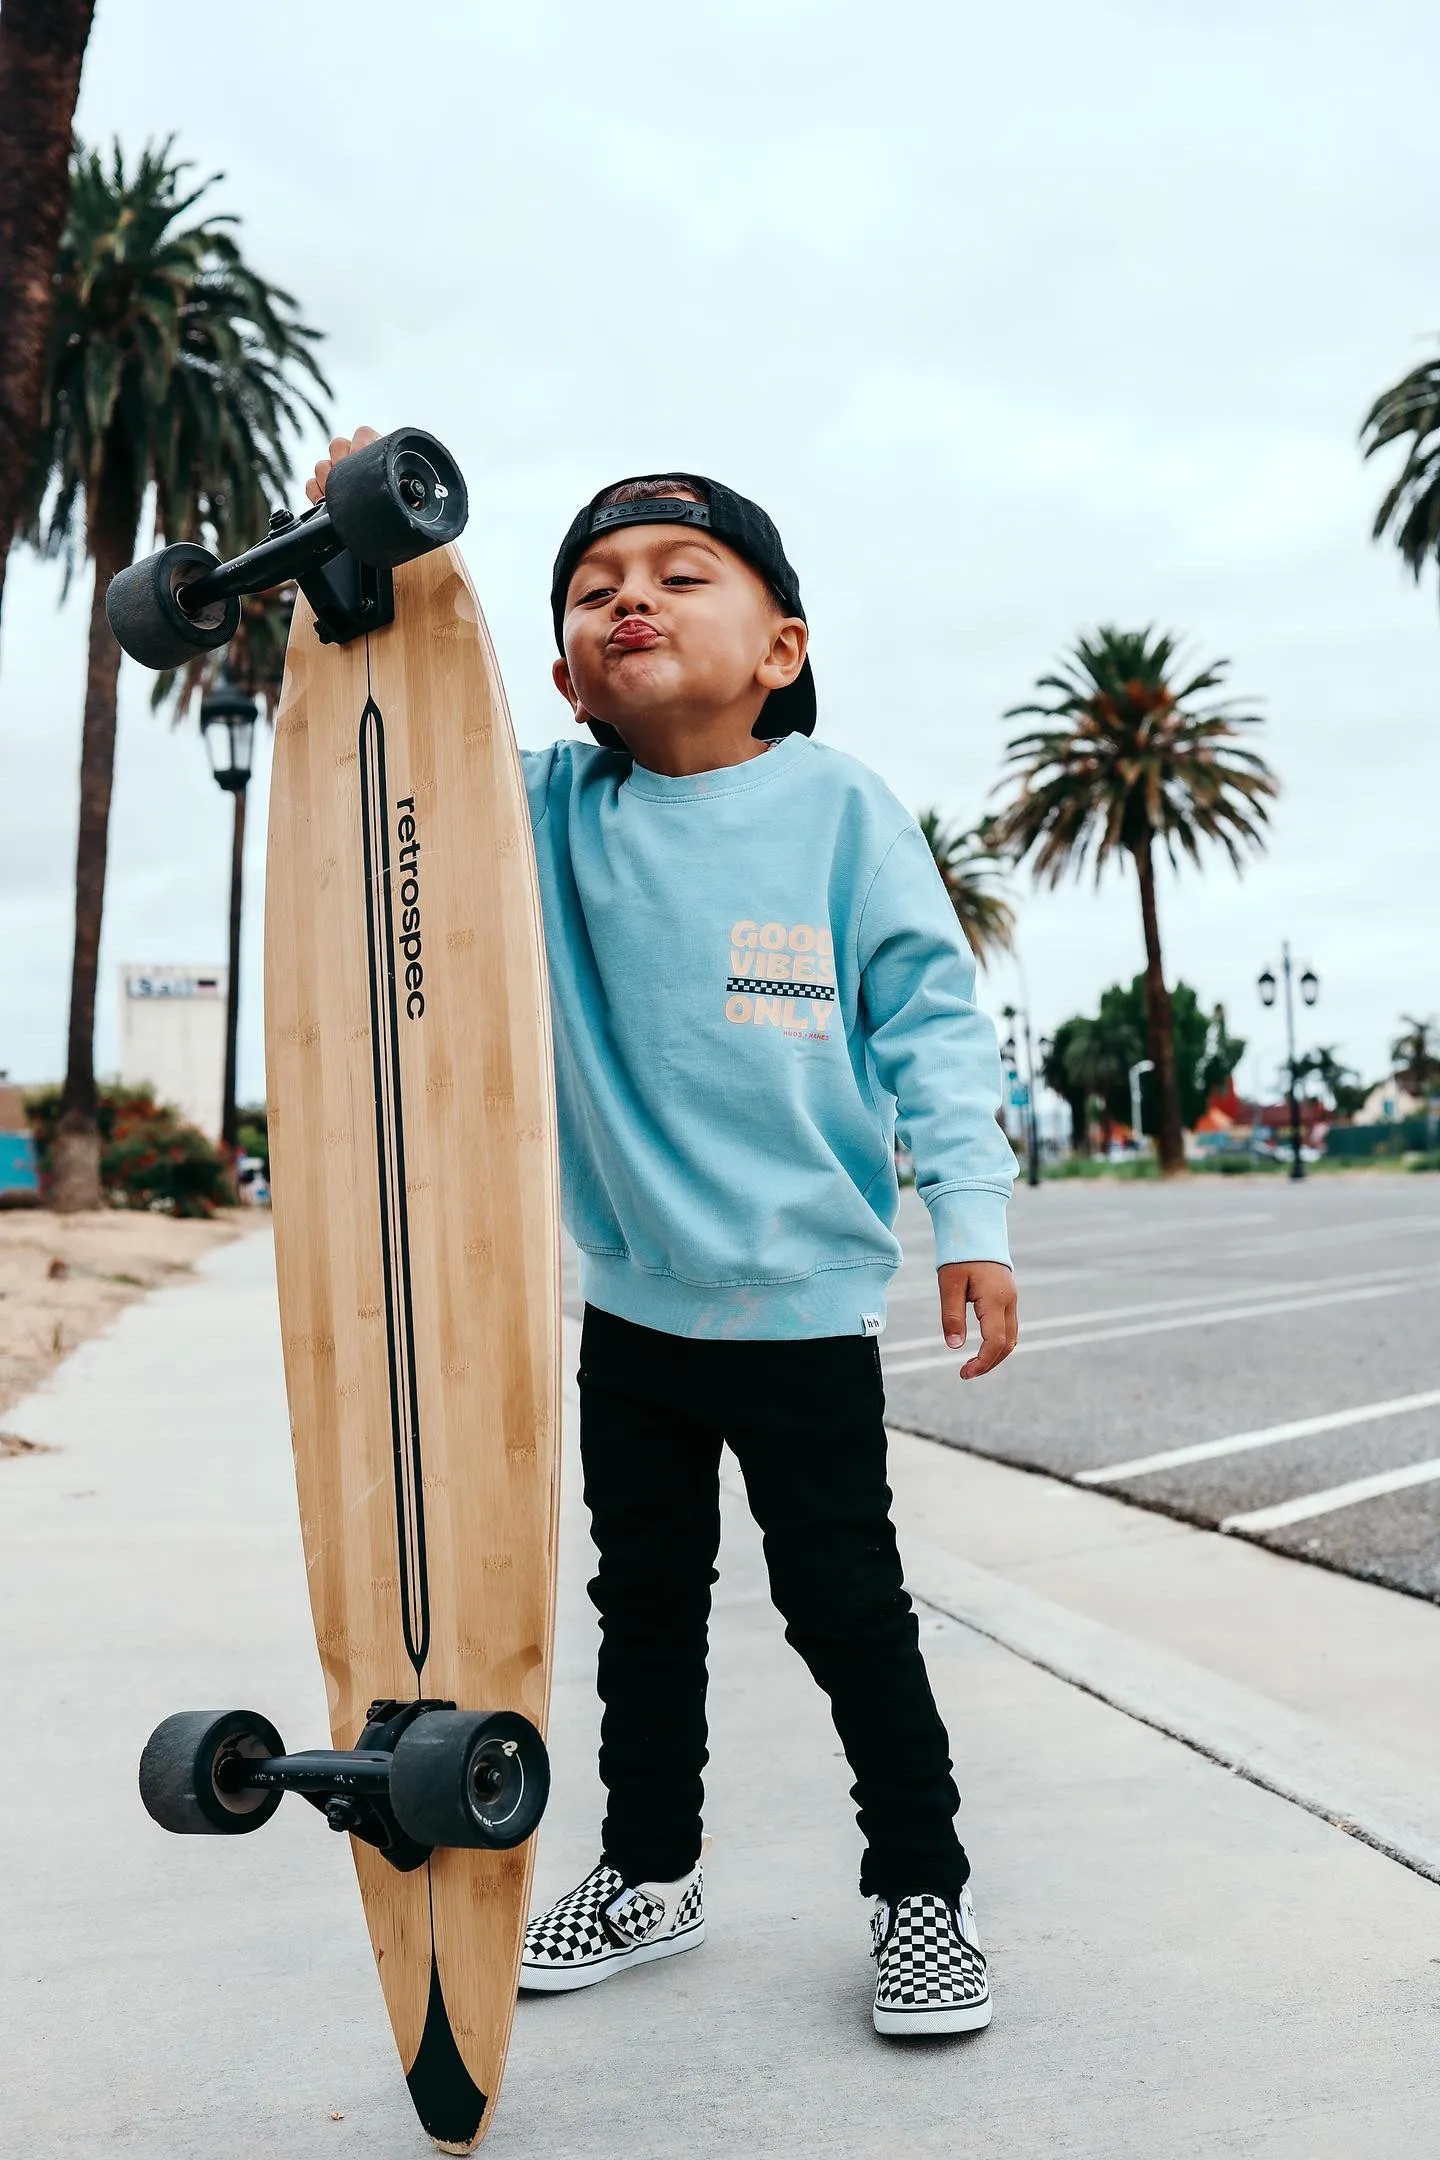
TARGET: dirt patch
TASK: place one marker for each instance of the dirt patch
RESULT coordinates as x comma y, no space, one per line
64,1277
12,1444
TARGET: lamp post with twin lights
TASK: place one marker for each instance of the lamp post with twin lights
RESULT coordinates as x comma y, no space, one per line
1309,991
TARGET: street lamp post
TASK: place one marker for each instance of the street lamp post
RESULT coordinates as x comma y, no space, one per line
1142,1065
227,723
1309,991
1009,1053
1046,1045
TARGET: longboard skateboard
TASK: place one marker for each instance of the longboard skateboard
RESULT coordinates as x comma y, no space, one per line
414,1186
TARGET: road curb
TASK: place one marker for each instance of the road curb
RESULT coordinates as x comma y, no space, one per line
1369,1793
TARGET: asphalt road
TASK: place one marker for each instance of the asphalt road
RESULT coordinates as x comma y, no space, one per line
1156,1319
1207,1321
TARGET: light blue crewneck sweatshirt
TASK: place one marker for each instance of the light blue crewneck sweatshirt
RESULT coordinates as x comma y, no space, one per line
751,970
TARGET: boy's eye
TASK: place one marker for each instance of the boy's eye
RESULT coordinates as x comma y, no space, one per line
682,577
597,592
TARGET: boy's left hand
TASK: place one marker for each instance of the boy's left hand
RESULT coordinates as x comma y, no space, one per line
989,1286
341,446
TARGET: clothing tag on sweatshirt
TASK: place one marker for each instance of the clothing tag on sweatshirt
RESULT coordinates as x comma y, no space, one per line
871,1323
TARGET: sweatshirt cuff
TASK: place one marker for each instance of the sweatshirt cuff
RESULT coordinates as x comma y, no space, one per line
969,1224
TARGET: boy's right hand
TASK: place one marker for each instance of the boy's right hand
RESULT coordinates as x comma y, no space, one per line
340,447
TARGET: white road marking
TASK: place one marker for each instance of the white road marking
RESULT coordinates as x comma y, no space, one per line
1259,1310
1162,1226
1337,1496
1030,1278
1378,1226
915,1277
1159,1305
1199,1299
1265,1436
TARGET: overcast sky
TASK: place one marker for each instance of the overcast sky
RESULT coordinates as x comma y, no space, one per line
1017,320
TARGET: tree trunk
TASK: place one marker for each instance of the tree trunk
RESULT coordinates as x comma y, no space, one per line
1160,1025
42,43
1079,1123
76,1156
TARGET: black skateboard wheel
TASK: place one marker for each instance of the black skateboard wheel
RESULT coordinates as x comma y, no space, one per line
191,1770
143,608
469,1777
397,498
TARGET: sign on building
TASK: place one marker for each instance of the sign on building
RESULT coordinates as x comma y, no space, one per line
172,1038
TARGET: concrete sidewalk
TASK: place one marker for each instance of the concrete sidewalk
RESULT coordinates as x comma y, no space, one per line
1185,1963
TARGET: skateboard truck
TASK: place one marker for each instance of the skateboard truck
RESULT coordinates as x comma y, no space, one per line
349,596
422,1774
396,499
350,1786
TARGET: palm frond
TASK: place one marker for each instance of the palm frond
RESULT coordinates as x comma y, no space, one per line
173,364
970,870
1410,506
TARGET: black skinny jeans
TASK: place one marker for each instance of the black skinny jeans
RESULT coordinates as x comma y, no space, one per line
805,1421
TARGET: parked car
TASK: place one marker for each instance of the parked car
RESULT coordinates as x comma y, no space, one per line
251,1182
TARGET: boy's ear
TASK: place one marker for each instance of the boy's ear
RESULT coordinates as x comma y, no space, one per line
560,676
786,656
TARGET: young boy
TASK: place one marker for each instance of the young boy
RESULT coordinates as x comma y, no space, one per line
754,966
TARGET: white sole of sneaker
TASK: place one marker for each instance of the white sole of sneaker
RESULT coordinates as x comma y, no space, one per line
913,2024
563,1980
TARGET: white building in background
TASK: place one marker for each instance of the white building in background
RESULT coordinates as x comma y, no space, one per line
172,1037
1389,1103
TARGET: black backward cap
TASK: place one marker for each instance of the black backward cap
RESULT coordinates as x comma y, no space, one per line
743,526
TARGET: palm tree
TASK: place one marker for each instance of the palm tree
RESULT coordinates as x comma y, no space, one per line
1323,1064
1134,758
1060,1069
174,366
1087,1063
1417,1064
1411,505
1417,1060
969,869
42,45
1102,1057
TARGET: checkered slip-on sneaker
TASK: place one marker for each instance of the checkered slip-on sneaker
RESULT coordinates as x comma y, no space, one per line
933,1977
605,1925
